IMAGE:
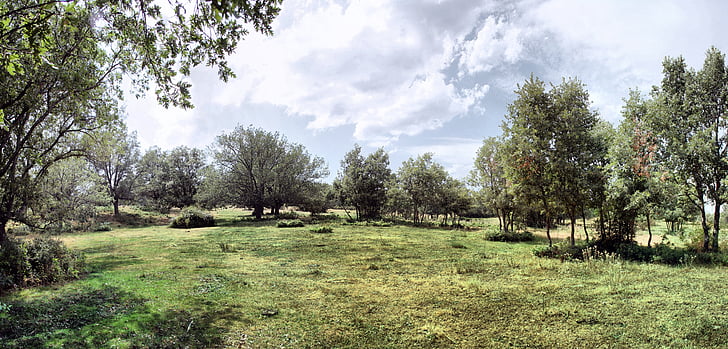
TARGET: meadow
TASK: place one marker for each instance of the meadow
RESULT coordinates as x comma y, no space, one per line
250,284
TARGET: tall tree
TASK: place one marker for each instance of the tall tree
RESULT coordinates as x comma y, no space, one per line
114,155
691,127
170,179
576,146
422,179
489,176
262,167
363,181
529,146
62,63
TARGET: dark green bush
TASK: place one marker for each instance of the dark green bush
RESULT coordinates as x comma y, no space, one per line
561,251
40,261
193,218
322,230
287,215
290,223
498,235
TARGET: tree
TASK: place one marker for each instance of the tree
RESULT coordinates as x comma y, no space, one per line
421,179
690,124
363,181
577,149
262,168
114,155
136,37
529,147
61,69
47,100
170,179
69,195
489,176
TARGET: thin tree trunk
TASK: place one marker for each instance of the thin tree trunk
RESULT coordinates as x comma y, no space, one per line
649,229
3,232
716,225
116,207
583,222
573,228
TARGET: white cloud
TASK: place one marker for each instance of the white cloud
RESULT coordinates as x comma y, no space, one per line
376,65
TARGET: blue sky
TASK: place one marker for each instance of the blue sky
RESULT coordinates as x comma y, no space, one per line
416,76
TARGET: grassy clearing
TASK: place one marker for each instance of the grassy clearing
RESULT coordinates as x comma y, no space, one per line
250,284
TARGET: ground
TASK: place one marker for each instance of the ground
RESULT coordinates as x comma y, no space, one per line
246,284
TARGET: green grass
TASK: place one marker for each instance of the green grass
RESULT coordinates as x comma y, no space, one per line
250,284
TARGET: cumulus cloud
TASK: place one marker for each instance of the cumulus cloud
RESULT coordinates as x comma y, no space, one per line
376,65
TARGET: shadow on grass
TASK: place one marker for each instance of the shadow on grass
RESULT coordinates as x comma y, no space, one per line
101,318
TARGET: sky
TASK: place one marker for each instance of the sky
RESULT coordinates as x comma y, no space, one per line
416,76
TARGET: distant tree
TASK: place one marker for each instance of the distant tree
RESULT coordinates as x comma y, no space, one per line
169,179
68,196
690,123
489,176
262,168
114,155
152,179
363,181
454,199
422,180
213,191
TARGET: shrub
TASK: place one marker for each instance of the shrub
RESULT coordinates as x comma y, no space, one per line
105,226
290,223
498,235
193,218
40,261
562,251
322,230
287,215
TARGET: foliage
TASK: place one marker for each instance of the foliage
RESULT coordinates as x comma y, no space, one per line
363,182
169,179
260,169
689,122
551,148
294,223
322,230
40,261
68,197
288,215
193,218
495,194
508,236
114,155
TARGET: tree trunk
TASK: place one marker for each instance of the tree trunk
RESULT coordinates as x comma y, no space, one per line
716,225
116,207
573,226
706,229
548,230
649,229
583,222
3,232
501,220
258,211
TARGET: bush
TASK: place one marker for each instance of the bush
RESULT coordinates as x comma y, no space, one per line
287,215
498,235
193,218
562,251
295,223
40,261
322,230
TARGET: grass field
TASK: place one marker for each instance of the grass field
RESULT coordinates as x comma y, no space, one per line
248,284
